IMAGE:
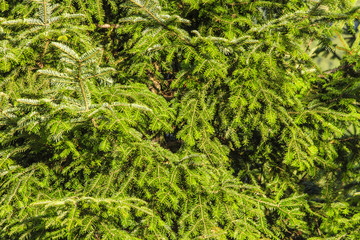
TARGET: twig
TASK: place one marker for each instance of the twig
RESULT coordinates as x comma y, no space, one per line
107,25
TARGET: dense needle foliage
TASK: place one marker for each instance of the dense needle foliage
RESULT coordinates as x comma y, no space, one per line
191,119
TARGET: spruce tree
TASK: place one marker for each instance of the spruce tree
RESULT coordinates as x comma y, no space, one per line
161,119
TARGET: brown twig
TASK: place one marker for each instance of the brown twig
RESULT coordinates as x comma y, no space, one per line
107,25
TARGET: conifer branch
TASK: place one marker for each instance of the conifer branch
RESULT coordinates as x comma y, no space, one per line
249,147
143,7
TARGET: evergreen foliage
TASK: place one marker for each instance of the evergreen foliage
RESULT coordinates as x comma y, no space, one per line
162,119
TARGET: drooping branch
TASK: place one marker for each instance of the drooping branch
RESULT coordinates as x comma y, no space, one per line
334,70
